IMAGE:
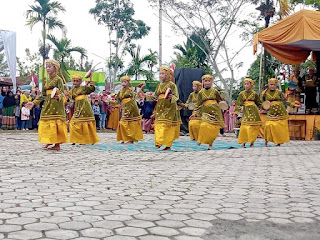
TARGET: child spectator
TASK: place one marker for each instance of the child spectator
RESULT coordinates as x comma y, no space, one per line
96,113
25,114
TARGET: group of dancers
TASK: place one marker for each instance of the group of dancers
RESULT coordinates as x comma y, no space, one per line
204,125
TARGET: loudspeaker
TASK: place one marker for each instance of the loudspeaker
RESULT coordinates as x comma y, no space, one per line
183,79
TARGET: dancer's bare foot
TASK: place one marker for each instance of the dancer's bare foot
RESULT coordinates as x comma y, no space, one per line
265,144
243,145
46,146
73,144
158,146
278,145
210,147
251,145
122,142
129,142
166,149
55,147
199,144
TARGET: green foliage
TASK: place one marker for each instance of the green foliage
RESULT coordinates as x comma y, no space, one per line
191,52
63,51
313,3
117,16
45,12
31,64
254,70
138,63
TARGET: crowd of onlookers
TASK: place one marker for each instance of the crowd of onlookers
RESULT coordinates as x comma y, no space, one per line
14,114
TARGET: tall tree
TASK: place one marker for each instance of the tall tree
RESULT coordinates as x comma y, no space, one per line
226,25
45,12
138,63
63,50
117,16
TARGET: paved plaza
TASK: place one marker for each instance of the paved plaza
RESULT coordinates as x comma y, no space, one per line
83,192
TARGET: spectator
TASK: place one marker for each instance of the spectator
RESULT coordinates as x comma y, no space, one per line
25,114
103,104
17,110
9,104
36,112
96,113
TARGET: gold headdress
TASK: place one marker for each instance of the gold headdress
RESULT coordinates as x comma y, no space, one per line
207,76
125,78
311,68
197,83
53,62
249,80
273,80
169,71
76,76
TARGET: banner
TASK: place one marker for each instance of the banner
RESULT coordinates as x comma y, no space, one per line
9,43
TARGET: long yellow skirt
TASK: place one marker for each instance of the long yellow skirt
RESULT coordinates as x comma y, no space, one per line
194,127
277,131
248,134
165,134
53,131
129,131
208,133
83,132
113,119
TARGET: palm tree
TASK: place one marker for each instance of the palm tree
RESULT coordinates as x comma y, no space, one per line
44,12
63,50
136,67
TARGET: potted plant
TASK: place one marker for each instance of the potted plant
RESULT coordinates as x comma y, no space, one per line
316,134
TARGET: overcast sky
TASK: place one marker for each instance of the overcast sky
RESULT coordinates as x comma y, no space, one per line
84,31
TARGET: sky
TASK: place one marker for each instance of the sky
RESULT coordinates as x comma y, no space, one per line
85,32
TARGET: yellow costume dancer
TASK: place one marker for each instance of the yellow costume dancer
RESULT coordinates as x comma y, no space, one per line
129,128
52,125
82,124
276,128
167,115
251,121
114,113
212,119
195,121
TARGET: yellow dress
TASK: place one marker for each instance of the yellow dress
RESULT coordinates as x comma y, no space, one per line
167,116
82,124
114,115
129,127
211,116
251,121
195,122
52,125
276,127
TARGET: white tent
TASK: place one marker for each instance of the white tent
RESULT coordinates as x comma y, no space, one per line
8,40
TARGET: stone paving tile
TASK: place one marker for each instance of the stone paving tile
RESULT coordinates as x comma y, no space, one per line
131,231
96,232
146,195
25,235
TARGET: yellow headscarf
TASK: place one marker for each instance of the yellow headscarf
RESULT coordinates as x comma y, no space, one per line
207,76
125,78
76,76
273,80
199,84
53,62
249,80
169,71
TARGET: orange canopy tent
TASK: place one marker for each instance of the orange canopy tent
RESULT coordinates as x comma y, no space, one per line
292,39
